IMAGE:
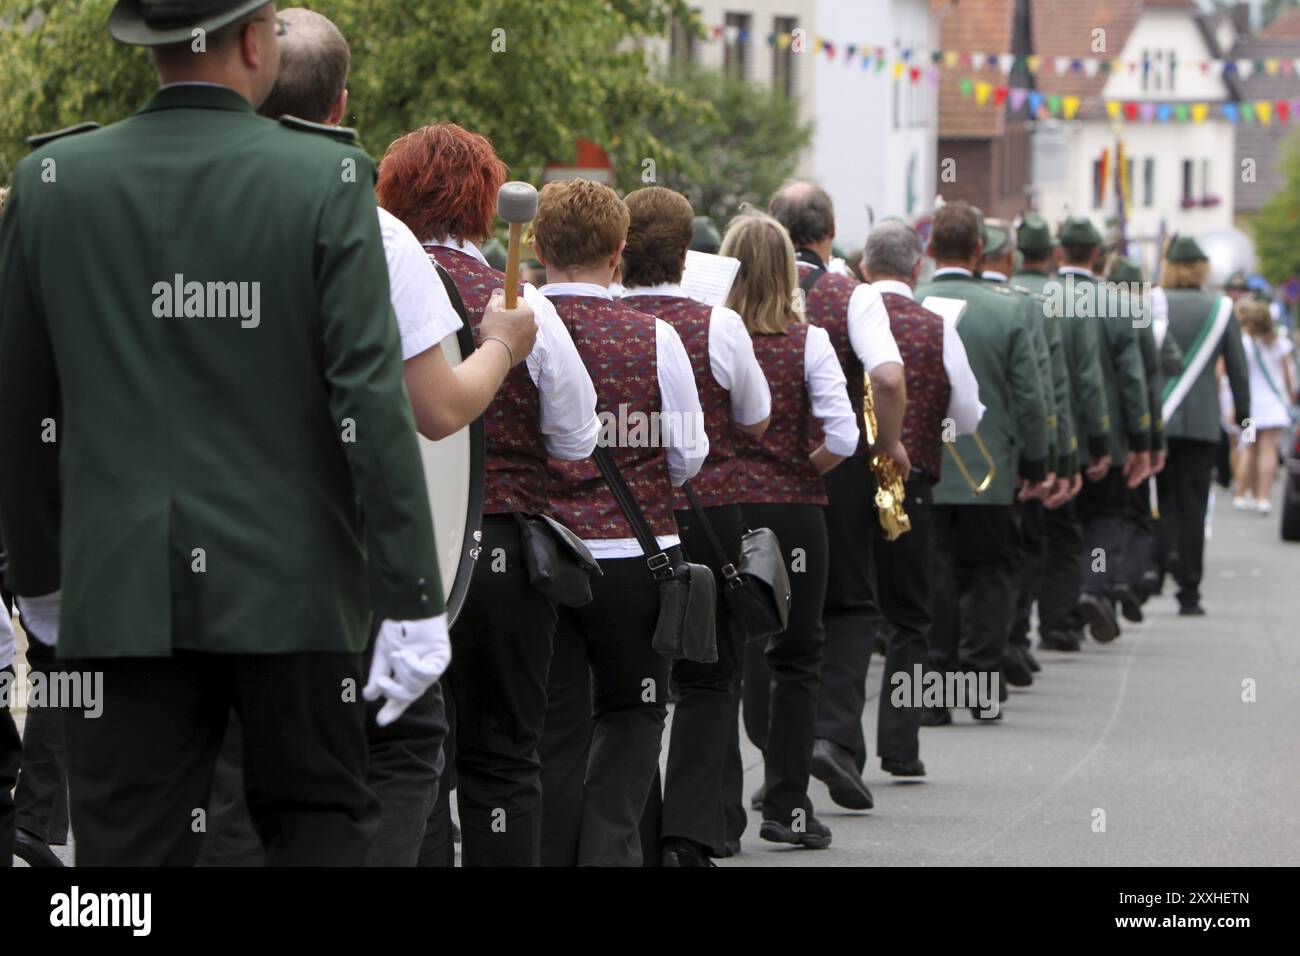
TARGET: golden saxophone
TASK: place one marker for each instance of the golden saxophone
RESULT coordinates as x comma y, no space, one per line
889,484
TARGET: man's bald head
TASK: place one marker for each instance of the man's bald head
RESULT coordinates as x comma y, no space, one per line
313,73
807,213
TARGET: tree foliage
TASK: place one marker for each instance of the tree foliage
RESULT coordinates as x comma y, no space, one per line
749,145
1277,225
533,75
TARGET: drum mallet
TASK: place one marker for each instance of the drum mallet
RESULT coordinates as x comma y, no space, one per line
516,204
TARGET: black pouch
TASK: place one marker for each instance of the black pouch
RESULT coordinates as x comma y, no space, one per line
687,593
559,564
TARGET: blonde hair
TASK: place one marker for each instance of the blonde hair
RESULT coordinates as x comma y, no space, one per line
764,292
1185,275
4,195
1256,319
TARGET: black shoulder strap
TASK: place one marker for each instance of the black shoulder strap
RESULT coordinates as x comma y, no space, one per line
453,293
656,558
715,545
811,279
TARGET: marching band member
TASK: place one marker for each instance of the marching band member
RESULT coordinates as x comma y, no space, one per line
442,181
607,689
782,489
735,398
857,322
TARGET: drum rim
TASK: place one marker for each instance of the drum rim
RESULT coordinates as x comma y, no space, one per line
455,599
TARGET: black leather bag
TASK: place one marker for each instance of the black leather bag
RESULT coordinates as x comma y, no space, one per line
687,592
559,564
757,589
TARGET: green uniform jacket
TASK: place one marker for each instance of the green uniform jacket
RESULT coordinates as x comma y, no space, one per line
222,479
1080,350
1197,417
1158,362
1063,456
1120,359
1001,352
1042,362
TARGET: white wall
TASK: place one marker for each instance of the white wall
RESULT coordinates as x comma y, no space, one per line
1166,30
874,137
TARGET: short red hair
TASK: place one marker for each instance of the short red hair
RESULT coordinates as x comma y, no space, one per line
442,181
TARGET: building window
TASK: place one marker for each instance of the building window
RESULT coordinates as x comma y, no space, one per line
1205,179
1189,184
1098,185
681,46
1149,182
1146,70
783,55
735,54
1173,69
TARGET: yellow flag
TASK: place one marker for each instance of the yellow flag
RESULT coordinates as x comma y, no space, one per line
1272,66
818,44
898,68
982,92
1112,109
951,58
1070,105
1199,112
783,40
1264,110
1033,62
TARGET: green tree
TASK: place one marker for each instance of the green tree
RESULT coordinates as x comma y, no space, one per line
1277,225
748,146
534,75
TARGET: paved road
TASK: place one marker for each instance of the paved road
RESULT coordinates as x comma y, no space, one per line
1151,729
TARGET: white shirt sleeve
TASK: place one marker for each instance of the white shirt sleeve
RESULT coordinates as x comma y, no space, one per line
425,315
964,405
681,429
873,343
735,367
829,392
568,399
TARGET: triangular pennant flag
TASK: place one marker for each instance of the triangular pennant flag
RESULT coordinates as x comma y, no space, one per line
783,41
771,39
850,50
934,77
1283,110
1199,112
1062,64
818,43
1018,94
1090,66
1264,110
1228,68
1245,68
977,60
1076,66
1106,66
966,87
915,73
880,61
1148,111
1113,108
951,58
1033,62
1005,62
1035,102
1230,112
732,34
1288,68
1071,106
1295,64
1272,66
1163,112
1247,111
982,91
1180,112
1205,67
999,95
716,32
936,57
830,50
1130,111
898,68
907,56
1053,105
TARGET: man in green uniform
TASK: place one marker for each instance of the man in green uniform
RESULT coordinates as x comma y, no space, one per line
1205,329
1104,502
975,585
1062,456
197,349
1058,590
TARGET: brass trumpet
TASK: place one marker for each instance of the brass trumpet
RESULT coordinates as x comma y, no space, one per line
979,488
889,484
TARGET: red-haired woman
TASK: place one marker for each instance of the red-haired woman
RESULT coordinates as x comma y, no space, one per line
442,181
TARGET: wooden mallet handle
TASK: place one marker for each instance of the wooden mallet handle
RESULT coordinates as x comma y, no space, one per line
512,265
516,204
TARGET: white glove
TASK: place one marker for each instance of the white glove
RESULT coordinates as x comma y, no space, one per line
40,616
409,658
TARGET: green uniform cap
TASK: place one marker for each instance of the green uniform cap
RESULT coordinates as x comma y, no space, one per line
1125,269
705,236
1185,249
997,236
1237,282
1079,231
494,251
1034,238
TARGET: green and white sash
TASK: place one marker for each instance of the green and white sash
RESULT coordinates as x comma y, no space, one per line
1258,355
1197,357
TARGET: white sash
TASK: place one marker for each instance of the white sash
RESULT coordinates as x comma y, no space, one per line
1194,364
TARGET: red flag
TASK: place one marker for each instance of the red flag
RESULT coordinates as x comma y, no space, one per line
999,95
1283,111
1130,111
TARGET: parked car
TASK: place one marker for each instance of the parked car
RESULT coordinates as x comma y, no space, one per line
1291,491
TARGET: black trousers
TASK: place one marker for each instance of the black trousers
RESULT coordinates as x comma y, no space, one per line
1184,488
501,652
782,675
140,774
11,749
1141,560
704,717
975,587
1062,579
1032,559
41,796
607,696
1105,510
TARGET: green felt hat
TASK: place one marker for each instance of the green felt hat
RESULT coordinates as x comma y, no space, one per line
1185,249
1125,269
705,236
1078,231
1034,237
997,237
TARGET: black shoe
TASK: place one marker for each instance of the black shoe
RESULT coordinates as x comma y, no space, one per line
978,714
681,852
1191,610
1014,669
903,768
935,717
757,797
34,851
1058,641
834,766
815,835
1100,617
1130,605
731,848
1030,660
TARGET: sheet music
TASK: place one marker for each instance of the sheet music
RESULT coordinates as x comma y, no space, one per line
951,309
708,278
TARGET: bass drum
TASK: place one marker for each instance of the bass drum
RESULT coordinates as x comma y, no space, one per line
454,475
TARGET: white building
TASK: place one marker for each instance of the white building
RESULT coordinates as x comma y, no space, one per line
1181,173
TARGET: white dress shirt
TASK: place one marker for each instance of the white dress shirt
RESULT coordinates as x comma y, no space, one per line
964,405
569,424
731,356
425,315
828,391
685,445
869,333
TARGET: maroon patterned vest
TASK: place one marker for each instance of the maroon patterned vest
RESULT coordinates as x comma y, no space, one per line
775,468
919,334
827,306
516,453
715,484
617,345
